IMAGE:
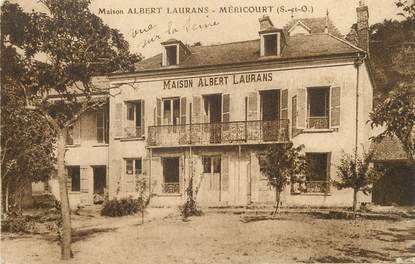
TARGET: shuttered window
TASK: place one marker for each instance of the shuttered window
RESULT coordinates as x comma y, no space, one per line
74,174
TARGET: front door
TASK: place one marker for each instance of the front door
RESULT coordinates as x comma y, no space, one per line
100,182
213,115
210,189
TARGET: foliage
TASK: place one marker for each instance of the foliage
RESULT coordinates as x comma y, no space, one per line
355,172
391,51
27,145
121,207
17,224
396,113
283,164
190,208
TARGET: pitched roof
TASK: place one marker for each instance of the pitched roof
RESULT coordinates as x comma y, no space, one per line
316,25
388,149
317,43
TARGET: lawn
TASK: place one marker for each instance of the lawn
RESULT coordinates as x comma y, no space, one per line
220,238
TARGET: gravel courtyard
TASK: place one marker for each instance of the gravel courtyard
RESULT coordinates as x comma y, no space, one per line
219,238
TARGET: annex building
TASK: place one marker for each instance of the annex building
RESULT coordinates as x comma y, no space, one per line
211,111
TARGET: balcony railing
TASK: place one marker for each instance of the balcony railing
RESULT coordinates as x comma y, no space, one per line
171,187
317,187
133,132
219,133
318,122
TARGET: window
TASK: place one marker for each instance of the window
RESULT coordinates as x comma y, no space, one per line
133,167
317,176
103,125
212,164
171,55
69,135
171,175
74,173
135,119
270,45
262,164
171,111
318,107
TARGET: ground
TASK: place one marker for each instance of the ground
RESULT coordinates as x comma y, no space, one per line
219,238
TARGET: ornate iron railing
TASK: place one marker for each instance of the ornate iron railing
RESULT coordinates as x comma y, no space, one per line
318,122
171,187
219,133
317,187
132,132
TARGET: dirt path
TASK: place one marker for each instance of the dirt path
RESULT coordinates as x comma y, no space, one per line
215,238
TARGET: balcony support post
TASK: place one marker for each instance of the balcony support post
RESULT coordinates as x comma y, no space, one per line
149,174
239,170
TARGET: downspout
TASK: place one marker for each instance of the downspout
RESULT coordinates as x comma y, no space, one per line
358,63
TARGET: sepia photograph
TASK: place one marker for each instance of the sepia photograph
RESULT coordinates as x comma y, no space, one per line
211,131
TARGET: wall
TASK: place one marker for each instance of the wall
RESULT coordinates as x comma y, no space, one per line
335,141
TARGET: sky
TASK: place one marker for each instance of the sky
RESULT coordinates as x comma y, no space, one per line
145,31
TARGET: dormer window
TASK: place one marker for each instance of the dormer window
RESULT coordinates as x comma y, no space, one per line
171,55
174,52
270,45
271,38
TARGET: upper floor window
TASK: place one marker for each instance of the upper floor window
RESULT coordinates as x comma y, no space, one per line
171,55
134,119
270,44
103,125
74,173
171,111
318,107
69,135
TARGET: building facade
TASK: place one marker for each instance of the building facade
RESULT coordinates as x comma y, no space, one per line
209,112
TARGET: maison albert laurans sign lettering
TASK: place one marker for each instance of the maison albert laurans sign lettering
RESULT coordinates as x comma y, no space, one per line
218,80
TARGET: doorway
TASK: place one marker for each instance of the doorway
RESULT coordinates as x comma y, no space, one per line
213,116
100,183
211,186
171,175
270,113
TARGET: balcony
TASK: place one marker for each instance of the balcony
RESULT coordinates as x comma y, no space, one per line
171,188
239,132
317,187
318,122
133,132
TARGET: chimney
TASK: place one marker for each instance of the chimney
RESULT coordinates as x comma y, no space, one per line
265,23
362,26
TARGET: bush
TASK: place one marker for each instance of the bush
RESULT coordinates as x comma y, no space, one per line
189,208
17,224
124,206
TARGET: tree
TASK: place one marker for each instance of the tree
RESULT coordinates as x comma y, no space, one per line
74,45
355,172
26,147
396,113
282,164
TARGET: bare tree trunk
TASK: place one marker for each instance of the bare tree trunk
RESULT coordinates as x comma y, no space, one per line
6,199
66,252
277,202
354,202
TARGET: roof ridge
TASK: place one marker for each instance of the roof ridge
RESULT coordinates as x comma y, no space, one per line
222,44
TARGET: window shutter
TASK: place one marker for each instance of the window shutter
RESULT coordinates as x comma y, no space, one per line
335,107
183,110
68,180
117,171
158,111
182,173
84,179
197,109
157,178
77,132
117,128
284,104
226,107
253,106
128,179
225,173
301,108
143,127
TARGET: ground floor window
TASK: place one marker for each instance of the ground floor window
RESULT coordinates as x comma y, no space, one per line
74,174
171,175
133,166
317,175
